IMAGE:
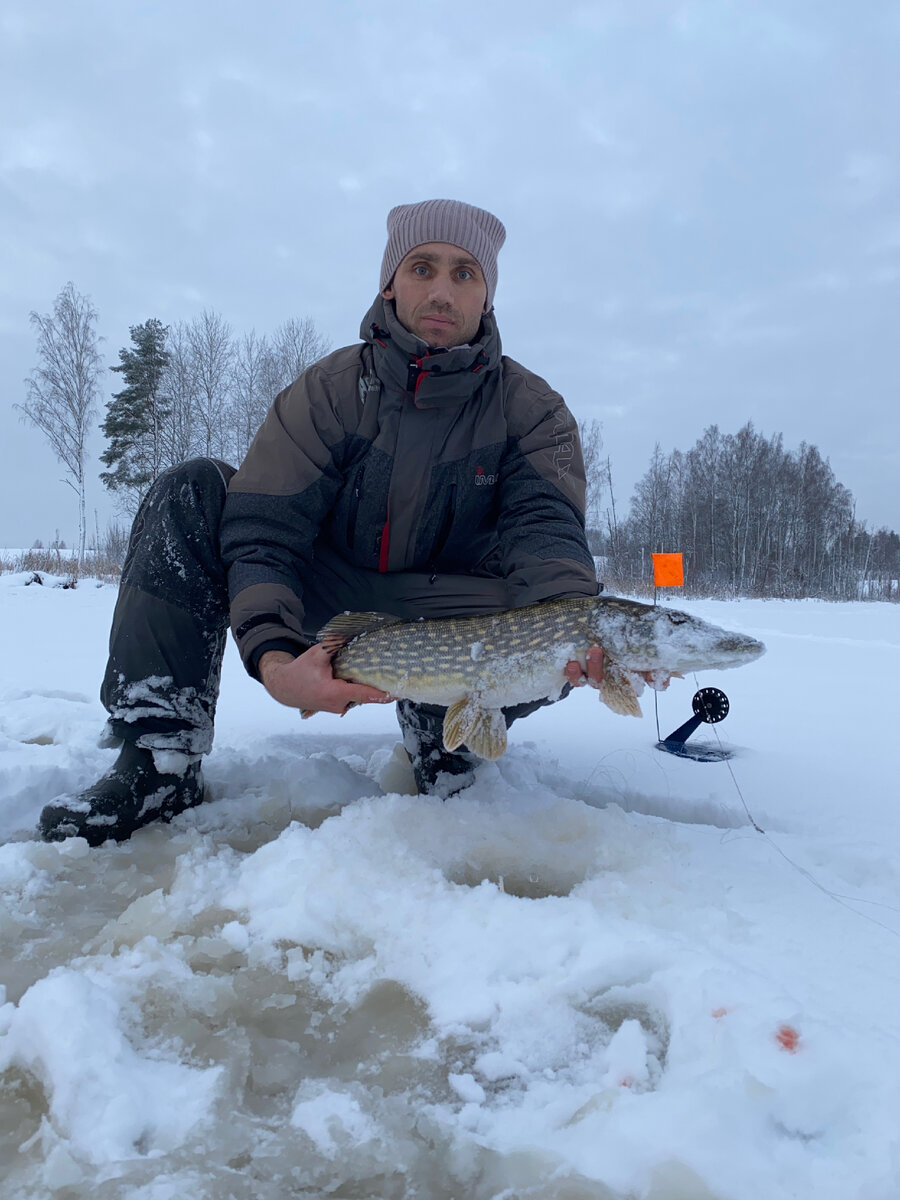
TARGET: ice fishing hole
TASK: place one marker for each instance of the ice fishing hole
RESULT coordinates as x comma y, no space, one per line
526,883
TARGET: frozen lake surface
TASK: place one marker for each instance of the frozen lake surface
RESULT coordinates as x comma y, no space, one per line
588,976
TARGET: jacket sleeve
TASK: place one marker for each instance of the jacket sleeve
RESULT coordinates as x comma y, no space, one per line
543,545
275,506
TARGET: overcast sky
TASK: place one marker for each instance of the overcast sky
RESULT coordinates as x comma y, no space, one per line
701,199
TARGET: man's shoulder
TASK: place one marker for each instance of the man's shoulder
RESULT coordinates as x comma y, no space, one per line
518,380
331,380
338,362
527,398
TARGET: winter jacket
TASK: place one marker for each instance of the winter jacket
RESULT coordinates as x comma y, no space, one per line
399,458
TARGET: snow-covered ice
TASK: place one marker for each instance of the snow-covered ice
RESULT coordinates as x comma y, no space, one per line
586,977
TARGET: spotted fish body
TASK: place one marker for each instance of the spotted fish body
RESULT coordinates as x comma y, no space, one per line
476,666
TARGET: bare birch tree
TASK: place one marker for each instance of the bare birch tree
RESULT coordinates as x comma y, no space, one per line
213,353
250,389
179,387
591,435
294,346
63,387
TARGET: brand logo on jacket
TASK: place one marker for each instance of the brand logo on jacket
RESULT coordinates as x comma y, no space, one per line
482,479
564,446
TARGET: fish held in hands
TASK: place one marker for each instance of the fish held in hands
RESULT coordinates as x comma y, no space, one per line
476,666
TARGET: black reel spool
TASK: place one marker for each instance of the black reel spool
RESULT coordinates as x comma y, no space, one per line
710,706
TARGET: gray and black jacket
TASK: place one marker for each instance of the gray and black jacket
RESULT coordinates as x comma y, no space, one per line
393,461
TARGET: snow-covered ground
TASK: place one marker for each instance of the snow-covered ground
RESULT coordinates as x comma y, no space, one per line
588,976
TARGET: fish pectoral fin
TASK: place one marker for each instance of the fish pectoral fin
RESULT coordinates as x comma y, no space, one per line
347,625
620,690
457,720
483,730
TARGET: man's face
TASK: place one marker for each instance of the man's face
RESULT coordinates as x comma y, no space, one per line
439,291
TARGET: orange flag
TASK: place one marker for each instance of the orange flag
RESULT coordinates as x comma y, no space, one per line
668,570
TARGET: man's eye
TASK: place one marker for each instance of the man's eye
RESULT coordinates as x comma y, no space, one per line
465,273
420,270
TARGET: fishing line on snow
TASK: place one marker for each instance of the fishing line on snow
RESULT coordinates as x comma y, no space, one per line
839,898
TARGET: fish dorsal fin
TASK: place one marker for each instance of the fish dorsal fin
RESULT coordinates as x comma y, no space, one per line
347,625
619,691
483,730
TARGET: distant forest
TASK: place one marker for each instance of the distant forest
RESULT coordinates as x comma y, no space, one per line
750,517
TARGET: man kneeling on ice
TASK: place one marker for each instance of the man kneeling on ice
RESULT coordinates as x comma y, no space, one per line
419,473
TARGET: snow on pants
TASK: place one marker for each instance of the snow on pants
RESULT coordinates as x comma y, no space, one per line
171,617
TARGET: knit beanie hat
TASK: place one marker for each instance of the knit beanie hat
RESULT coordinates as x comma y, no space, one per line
473,229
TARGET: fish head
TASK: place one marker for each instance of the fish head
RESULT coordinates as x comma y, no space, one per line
642,637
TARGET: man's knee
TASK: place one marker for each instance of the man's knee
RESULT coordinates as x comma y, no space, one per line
174,542
205,473
179,494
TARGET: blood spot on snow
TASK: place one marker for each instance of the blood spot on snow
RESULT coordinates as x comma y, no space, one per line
719,1013
788,1038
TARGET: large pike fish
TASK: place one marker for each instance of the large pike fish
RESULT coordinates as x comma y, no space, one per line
476,666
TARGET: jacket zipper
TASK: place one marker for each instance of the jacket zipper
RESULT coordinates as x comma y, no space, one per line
444,532
354,508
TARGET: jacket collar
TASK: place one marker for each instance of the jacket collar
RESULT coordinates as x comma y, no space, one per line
434,377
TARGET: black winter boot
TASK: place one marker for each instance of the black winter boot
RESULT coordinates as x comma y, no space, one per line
132,794
438,771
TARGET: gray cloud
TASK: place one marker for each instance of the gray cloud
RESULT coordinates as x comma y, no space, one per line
701,198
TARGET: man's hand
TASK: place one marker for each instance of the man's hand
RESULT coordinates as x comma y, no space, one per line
308,683
593,674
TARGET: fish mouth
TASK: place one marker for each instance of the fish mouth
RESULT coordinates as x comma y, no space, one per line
729,653
742,645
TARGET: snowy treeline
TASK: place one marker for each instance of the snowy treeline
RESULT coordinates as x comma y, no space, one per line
752,519
191,388
196,388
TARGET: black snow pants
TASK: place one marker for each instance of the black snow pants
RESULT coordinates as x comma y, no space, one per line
171,617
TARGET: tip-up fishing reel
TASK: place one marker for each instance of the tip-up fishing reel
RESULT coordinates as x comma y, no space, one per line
710,706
